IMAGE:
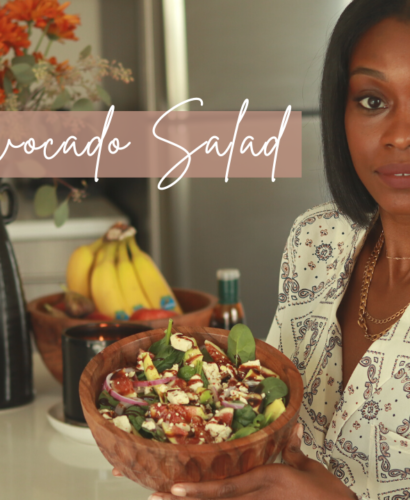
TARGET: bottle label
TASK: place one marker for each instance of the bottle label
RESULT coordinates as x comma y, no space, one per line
228,291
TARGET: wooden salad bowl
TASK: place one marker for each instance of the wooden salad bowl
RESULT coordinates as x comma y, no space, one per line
160,465
47,329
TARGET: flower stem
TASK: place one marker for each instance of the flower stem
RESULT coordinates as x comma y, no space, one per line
28,34
48,47
43,34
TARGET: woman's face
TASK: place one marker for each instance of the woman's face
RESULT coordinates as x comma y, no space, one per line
377,117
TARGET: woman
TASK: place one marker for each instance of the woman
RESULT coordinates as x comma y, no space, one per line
343,317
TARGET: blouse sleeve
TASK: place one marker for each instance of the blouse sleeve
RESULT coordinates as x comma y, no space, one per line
277,334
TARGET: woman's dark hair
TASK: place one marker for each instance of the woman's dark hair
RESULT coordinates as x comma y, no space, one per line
348,192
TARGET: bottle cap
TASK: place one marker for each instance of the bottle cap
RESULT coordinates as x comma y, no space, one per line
228,274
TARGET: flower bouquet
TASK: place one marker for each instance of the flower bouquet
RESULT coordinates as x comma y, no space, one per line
30,80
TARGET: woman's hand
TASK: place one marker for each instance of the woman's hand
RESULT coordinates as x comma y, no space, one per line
302,478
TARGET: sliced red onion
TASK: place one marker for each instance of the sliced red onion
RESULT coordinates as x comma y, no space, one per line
158,381
235,405
118,397
121,407
214,392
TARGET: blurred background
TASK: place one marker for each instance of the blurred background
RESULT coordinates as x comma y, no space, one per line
223,51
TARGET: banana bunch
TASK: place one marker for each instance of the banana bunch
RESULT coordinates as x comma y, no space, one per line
118,276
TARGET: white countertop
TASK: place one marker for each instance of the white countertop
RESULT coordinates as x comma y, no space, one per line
38,463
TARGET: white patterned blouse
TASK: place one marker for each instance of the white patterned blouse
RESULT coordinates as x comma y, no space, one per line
362,434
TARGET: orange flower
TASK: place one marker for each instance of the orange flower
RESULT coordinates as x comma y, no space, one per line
63,27
45,13
22,10
12,36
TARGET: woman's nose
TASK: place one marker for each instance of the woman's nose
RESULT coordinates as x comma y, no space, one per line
397,131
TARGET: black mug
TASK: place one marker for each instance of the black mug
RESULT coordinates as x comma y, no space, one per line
80,344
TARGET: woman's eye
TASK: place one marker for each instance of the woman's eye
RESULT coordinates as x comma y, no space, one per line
372,103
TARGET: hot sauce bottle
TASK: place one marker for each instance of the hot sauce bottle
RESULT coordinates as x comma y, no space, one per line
229,310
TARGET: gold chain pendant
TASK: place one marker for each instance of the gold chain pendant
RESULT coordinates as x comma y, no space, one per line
367,279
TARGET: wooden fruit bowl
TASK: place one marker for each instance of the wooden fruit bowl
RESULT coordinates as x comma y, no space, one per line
160,465
47,329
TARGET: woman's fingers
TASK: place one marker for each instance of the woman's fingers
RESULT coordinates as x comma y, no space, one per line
116,473
234,487
292,454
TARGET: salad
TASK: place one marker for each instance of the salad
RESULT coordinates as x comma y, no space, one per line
182,394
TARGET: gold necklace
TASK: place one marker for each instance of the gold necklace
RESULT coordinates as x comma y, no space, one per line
367,279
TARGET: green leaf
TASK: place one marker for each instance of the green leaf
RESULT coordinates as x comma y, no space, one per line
106,401
241,345
243,417
260,421
85,52
168,332
207,356
83,105
8,87
186,372
45,201
28,59
245,431
24,73
62,213
136,415
273,388
167,357
103,95
60,100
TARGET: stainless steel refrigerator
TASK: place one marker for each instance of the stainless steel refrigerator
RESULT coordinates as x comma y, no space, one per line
225,51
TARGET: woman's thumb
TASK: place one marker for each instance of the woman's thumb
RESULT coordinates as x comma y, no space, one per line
291,453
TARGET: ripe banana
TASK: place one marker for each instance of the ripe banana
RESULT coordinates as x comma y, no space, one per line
155,287
105,286
129,284
79,267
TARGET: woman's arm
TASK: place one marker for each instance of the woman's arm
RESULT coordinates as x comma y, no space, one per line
301,478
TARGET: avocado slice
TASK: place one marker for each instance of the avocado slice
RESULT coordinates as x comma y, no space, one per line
205,396
274,410
151,373
193,356
266,372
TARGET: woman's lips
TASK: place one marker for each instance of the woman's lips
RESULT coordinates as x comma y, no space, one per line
395,175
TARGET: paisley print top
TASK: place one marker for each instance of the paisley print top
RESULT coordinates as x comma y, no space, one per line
361,434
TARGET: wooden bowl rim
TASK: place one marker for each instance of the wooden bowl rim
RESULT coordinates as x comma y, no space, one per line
292,408
34,305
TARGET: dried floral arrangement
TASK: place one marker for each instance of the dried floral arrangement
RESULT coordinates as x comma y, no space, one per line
29,79
32,81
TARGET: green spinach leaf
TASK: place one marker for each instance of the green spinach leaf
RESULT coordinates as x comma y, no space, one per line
260,421
245,431
243,417
186,372
106,401
273,388
157,346
207,356
241,345
167,357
